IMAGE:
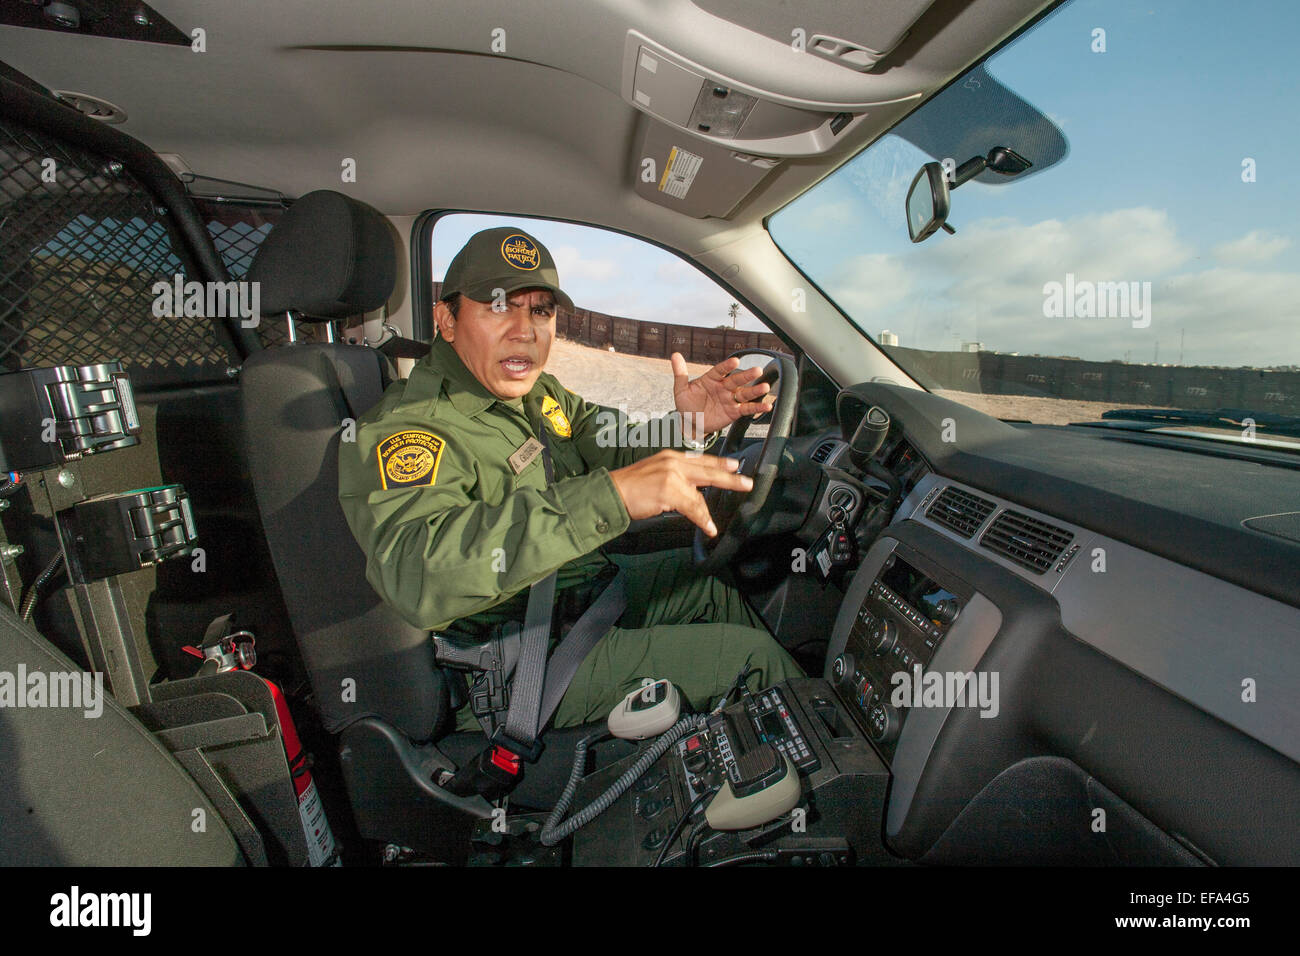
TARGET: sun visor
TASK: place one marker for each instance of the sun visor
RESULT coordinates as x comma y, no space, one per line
692,176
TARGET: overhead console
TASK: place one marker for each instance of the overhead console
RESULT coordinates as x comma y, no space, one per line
711,137
731,113
855,34
718,122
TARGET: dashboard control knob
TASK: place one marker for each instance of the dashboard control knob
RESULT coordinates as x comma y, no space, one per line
695,762
882,638
652,808
651,781
946,611
883,723
655,838
842,668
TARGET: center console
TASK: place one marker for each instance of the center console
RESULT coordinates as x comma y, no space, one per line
836,821
907,611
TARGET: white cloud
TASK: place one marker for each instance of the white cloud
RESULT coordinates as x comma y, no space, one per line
988,286
1124,244
573,265
866,283
675,270
1253,248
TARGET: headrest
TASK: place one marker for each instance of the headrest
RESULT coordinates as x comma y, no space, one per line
328,257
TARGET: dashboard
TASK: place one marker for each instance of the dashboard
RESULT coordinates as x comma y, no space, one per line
1038,640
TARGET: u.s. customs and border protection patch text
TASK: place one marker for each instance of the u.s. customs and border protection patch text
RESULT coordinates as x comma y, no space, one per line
554,414
409,458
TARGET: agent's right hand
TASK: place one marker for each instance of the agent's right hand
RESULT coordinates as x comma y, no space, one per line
670,481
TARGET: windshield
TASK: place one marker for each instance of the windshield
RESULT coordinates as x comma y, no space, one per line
1147,258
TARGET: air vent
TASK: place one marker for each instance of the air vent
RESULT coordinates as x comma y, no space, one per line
1027,541
822,453
960,511
92,106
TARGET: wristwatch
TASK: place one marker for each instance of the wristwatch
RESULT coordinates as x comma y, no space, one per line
693,445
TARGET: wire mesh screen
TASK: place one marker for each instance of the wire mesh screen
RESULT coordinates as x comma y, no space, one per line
237,230
81,247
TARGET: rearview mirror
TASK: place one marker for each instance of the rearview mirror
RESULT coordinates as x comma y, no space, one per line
927,202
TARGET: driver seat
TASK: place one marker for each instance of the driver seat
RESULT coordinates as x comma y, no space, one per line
373,676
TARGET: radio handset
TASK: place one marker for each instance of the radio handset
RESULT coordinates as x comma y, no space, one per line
646,712
759,782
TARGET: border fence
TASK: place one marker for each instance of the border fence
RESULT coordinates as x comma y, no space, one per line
990,373
654,339
1117,383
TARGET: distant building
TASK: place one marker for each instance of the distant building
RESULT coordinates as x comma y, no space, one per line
972,346
888,338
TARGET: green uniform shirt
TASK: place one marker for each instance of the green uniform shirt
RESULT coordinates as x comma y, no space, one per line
453,537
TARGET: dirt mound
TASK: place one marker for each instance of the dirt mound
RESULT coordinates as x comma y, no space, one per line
643,385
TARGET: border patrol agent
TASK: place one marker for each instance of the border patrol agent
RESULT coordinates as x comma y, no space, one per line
445,490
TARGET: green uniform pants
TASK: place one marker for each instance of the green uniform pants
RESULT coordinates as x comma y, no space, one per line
694,630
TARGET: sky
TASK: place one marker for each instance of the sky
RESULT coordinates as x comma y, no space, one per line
608,272
1151,191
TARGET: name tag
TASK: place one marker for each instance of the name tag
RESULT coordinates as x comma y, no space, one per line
524,455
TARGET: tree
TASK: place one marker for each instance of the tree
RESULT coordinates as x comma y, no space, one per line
733,310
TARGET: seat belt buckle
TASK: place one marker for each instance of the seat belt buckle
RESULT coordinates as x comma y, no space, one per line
500,740
492,774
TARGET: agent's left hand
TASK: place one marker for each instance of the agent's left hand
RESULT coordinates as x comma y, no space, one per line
718,397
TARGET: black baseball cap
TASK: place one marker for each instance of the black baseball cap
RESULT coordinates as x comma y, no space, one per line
504,258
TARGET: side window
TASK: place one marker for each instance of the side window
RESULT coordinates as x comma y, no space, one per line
635,304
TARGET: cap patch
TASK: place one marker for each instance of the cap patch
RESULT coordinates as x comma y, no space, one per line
554,414
409,458
521,252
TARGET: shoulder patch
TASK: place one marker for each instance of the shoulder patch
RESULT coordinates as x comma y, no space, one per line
554,414
409,458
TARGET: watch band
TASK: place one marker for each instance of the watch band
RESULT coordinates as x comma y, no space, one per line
693,445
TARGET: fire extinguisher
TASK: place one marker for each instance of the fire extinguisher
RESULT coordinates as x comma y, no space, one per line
223,650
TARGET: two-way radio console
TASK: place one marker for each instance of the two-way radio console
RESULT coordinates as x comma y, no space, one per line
730,747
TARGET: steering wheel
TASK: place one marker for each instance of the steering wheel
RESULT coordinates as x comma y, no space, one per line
736,513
